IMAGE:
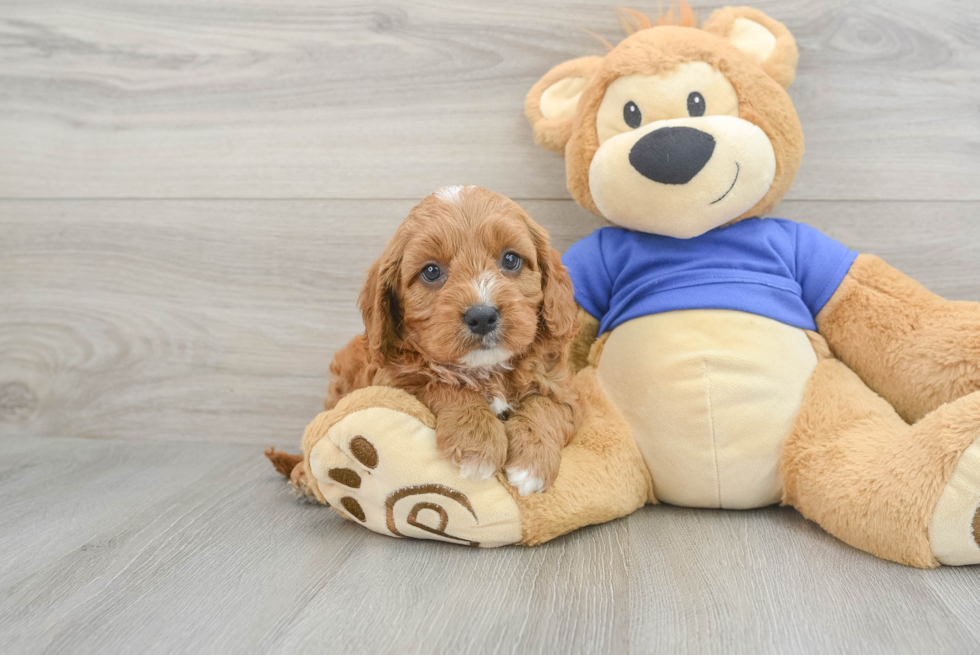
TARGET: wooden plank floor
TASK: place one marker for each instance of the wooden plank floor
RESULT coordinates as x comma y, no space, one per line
190,193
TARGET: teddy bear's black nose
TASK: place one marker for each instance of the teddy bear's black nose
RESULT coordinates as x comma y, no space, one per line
672,155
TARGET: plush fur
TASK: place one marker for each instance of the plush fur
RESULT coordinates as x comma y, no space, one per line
911,346
856,468
588,332
602,475
397,400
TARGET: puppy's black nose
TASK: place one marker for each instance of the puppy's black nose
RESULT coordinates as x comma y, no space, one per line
481,319
672,155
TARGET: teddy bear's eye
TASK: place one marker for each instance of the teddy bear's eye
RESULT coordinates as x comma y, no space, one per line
632,115
695,104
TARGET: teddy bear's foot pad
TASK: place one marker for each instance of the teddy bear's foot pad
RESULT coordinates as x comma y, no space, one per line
380,467
954,531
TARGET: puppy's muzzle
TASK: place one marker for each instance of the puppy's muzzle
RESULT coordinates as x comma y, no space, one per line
482,319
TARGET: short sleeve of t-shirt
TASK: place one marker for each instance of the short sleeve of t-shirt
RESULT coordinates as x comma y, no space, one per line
590,278
821,264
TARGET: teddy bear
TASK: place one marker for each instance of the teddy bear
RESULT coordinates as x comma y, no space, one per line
724,359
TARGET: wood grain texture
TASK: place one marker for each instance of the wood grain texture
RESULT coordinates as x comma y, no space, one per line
211,553
393,99
768,581
216,320
168,547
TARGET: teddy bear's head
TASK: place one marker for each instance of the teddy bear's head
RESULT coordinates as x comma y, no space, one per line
678,130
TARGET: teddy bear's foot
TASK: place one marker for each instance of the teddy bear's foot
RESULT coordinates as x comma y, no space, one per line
373,458
379,467
907,493
954,530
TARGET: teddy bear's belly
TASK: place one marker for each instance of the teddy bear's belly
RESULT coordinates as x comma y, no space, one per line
710,396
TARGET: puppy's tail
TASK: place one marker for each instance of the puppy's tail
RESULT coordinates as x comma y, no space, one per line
283,462
291,467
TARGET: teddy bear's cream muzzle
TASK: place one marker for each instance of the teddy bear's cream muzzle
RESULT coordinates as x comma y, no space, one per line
682,177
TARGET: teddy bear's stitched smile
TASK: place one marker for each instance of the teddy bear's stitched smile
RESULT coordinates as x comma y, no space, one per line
729,188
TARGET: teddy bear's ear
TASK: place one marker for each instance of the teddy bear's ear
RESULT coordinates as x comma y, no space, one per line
552,102
765,40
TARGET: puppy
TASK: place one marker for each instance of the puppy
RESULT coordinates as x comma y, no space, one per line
471,310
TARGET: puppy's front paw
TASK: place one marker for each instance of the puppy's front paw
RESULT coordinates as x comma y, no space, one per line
475,469
533,459
524,481
474,441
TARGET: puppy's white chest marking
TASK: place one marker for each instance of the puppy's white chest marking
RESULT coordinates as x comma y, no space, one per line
486,358
499,406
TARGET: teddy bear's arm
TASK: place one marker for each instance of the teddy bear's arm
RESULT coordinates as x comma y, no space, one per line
588,332
914,348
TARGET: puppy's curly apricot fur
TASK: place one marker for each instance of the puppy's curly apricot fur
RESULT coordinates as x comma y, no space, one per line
463,248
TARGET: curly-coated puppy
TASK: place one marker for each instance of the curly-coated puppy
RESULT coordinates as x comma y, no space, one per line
471,310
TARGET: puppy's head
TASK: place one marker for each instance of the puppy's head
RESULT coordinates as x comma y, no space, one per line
469,280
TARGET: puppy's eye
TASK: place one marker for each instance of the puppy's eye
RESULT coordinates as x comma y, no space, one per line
511,261
632,115
431,273
695,104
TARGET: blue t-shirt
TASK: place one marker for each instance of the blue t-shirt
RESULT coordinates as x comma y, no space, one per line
772,267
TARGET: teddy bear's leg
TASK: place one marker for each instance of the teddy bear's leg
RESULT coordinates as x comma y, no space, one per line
373,458
602,475
914,348
900,492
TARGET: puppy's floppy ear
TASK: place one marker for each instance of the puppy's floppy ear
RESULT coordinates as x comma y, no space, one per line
380,307
558,305
551,103
764,40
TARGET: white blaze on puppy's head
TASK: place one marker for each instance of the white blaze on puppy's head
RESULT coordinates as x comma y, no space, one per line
485,286
451,194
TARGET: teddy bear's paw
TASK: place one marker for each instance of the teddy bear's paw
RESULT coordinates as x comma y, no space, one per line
379,467
954,530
